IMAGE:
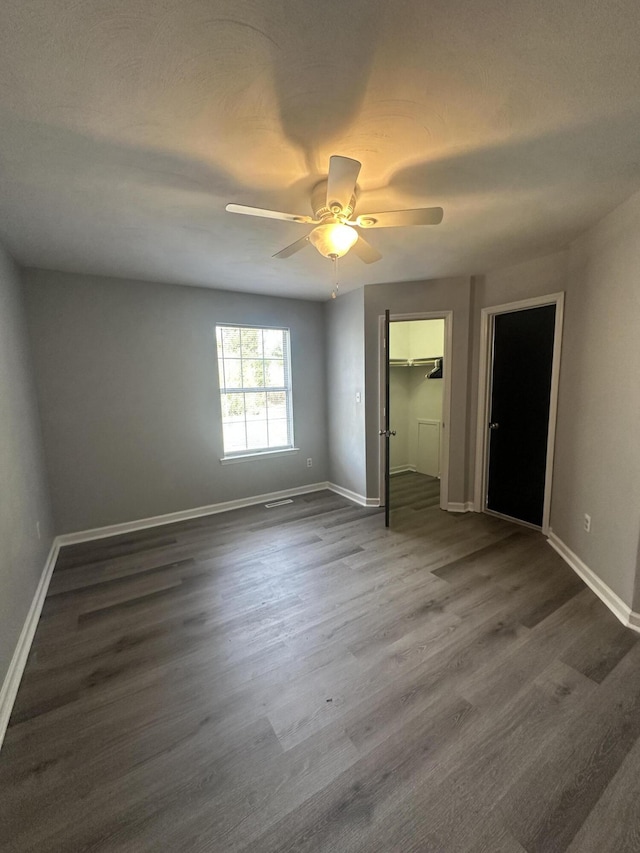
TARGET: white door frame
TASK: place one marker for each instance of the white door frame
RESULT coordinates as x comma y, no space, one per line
487,324
447,316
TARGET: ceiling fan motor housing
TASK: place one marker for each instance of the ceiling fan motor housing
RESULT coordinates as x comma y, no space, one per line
323,208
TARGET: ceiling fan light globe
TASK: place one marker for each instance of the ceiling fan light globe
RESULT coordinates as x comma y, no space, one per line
333,240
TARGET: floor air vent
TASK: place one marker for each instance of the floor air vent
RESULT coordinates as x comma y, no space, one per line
279,503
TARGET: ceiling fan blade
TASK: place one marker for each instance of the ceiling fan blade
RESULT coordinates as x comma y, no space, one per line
341,181
293,248
268,214
394,218
365,251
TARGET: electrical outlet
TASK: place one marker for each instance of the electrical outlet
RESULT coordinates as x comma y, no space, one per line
38,529
587,523
309,462
358,397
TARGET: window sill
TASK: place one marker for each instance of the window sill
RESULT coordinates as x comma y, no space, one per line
261,454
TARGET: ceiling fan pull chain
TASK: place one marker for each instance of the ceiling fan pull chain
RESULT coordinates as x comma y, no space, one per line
336,286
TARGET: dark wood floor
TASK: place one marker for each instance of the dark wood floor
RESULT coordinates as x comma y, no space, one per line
301,679
411,490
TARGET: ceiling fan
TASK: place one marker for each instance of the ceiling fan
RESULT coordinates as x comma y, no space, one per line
333,202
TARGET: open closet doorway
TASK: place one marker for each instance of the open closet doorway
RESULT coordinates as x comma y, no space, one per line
418,395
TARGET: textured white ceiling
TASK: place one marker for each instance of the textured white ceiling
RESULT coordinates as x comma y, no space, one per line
127,125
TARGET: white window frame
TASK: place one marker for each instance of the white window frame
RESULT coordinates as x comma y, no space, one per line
232,456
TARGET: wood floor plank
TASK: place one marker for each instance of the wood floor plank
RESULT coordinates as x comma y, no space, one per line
304,679
480,768
614,822
597,652
549,804
335,818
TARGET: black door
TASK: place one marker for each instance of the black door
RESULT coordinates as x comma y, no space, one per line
519,420
385,432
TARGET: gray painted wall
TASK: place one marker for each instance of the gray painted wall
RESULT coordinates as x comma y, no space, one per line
127,381
446,294
345,378
24,498
597,467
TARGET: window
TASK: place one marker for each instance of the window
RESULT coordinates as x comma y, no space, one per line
254,368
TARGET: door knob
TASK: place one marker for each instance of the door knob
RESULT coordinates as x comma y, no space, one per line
493,425
387,432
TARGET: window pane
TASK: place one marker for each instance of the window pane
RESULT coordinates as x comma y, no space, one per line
273,343
256,406
252,373
277,405
232,407
232,375
257,434
230,341
252,343
254,358
278,433
274,374
234,437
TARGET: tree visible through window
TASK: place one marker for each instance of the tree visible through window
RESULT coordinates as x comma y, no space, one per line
254,369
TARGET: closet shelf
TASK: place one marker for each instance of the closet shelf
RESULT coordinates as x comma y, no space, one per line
413,362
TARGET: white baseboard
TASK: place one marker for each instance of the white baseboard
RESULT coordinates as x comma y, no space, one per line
400,469
10,685
353,496
469,506
186,514
616,605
